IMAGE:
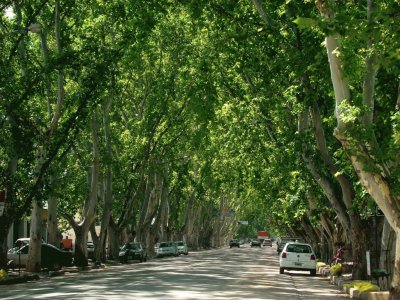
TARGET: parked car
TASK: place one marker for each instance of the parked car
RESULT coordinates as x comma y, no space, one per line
52,257
19,243
297,256
182,247
281,242
90,250
255,243
234,243
166,249
267,242
133,251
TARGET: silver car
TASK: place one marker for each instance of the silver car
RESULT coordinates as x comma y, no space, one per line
166,249
182,247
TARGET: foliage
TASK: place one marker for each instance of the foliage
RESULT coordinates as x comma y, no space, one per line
3,274
336,269
363,286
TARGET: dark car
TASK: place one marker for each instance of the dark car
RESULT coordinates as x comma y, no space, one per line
52,257
133,251
255,243
234,243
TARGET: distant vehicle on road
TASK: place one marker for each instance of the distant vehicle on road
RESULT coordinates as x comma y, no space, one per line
166,249
52,257
267,242
255,243
234,243
182,247
133,251
261,235
298,256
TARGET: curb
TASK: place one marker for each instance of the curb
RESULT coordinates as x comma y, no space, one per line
339,281
22,279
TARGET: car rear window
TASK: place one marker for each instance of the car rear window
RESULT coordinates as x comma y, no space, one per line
298,248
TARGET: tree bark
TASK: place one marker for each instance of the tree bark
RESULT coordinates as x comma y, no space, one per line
113,240
376,184
89,213
357,231
35,243
100,254
388,248
52,227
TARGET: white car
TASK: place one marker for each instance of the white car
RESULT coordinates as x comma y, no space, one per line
182,248
298,256
166,249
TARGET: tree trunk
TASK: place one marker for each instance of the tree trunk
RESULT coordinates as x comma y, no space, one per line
53,237
376,184
35,243
113,240
52,227
100,243
357,231
80,256
89,213
164,206
388,248
395,290
141,236
7,218
4,228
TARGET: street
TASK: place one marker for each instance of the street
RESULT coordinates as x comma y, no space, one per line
237,273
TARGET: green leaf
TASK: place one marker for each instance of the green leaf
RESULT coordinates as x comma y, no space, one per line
304,23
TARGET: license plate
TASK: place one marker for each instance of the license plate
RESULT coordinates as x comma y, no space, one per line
298,264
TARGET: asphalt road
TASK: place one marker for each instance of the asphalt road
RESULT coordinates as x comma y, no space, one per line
237,273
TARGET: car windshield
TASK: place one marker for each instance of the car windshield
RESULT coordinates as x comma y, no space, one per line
130,246
163,245
298,248
179,243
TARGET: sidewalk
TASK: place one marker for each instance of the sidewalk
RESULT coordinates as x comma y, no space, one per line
20,275
353,293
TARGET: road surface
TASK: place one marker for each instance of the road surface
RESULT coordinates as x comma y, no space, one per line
237,273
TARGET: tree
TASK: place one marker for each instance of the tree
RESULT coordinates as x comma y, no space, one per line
355,119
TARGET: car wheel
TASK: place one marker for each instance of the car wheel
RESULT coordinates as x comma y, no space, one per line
186,253
281,270
313,272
